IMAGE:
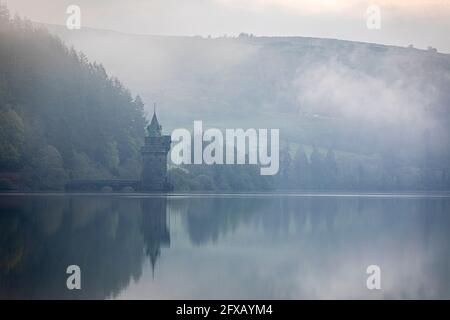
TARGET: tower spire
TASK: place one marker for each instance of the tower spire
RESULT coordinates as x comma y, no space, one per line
154,128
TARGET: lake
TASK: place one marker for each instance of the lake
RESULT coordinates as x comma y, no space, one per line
231,246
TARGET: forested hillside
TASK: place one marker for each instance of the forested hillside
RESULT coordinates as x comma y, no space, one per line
352,116
61,116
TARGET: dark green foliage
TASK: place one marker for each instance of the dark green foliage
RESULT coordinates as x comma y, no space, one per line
62,117
12,133
220,178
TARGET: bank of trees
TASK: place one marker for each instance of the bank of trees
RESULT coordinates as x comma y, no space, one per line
314,168
61,116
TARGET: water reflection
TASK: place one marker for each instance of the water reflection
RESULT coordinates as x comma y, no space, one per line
154,227
224,247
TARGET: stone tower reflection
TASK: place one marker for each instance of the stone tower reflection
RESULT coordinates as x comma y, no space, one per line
155,227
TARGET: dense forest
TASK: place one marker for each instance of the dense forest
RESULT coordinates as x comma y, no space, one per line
64,117
351,115
326,169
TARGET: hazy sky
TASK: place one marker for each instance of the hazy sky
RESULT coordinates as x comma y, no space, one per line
422,23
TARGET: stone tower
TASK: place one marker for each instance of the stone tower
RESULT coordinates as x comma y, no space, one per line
154,158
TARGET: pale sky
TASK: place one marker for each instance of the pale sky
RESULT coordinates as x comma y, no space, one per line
422,23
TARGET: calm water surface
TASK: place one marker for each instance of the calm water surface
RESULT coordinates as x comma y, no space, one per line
275,246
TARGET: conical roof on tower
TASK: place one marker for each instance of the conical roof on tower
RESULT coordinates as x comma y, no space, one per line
154,128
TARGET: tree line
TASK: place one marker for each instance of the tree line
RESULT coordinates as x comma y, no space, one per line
61,116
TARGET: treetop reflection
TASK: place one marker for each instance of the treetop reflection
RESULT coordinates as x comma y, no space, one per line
113,239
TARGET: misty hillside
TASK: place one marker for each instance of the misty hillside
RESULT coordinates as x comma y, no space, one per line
373,104
61,116
351,115
276,81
